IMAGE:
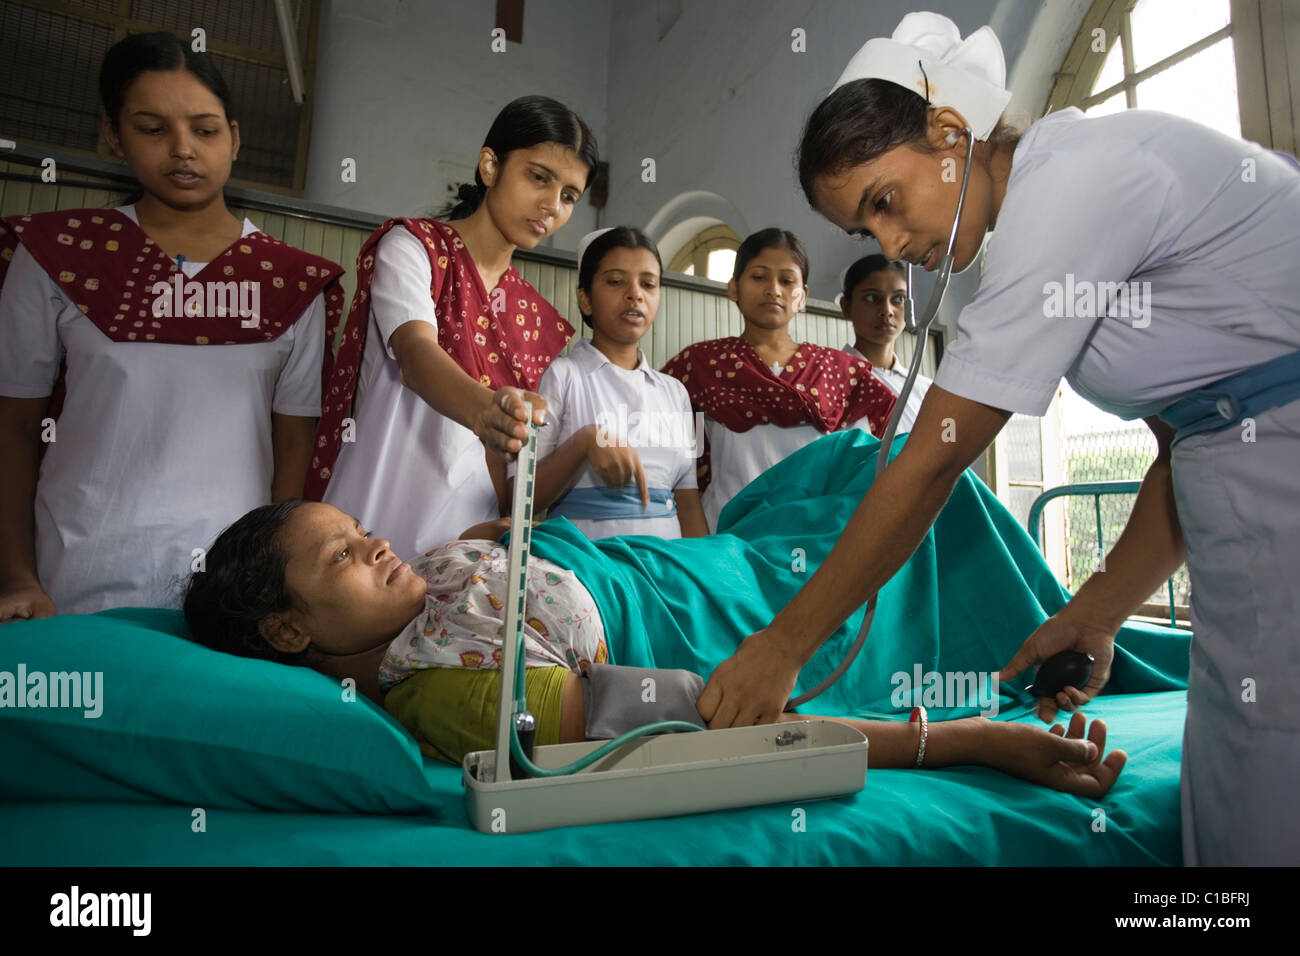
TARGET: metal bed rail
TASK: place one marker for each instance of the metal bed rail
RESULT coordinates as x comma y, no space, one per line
1096,489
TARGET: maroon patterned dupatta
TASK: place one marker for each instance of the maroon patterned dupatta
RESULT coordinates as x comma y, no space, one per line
823,387
133,292
504,338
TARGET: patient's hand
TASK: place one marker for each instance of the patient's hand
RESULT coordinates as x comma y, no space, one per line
1058,633
24,602
1056,758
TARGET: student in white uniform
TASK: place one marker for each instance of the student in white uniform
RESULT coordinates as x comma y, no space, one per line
456,339
618,453
168,416
873,295
1197,332
763,395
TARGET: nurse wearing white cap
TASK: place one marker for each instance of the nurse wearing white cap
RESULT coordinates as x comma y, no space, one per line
1149,261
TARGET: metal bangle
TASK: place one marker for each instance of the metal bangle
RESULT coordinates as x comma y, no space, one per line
919,712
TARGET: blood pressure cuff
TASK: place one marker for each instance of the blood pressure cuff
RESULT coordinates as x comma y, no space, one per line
618,699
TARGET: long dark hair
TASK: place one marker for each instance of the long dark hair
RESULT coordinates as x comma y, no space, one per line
129,57
242,583
523,123
770,238
620,237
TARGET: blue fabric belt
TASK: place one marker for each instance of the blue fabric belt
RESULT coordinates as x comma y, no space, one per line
605,502
1226,402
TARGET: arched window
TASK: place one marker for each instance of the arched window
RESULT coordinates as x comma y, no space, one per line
1177,56
710,254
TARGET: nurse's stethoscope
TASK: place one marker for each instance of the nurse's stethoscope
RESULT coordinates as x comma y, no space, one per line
922,329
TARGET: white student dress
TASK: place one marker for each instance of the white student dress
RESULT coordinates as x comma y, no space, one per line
1210,222
737,458
413,475
649,410
894,377
158,447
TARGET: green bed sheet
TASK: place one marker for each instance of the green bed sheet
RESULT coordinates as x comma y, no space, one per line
966,815
964,602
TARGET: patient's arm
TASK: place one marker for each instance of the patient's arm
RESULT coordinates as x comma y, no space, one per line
1058,758
21,595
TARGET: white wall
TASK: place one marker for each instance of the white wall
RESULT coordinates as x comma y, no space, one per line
719,104
403,86
718,101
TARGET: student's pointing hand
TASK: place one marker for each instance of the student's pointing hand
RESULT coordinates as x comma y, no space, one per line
617,464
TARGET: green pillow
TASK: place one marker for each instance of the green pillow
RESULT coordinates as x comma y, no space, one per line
178,722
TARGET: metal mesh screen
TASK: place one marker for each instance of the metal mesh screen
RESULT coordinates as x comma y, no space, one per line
49,76
1111,455
49,65
248,23
268,120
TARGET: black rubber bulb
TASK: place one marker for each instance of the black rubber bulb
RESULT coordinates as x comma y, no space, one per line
1067,669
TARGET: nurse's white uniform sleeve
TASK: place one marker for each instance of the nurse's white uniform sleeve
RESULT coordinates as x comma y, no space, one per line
297,390
1067,218
30,350
400,289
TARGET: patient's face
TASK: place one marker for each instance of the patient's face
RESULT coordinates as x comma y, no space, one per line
352,593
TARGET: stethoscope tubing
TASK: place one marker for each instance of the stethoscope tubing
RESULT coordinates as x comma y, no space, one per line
887,441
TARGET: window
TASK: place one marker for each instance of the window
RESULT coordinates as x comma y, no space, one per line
50,51
1170,55
711,254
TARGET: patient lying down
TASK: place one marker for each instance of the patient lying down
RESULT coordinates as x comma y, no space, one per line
303,583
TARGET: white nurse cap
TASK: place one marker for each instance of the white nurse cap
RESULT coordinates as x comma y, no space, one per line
587,240
926,54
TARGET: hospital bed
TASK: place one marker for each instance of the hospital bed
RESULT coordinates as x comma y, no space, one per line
201,759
